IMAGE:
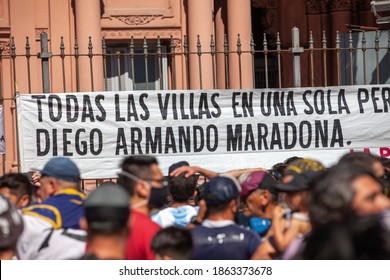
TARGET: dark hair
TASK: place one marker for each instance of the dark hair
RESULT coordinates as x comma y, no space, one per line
213,209
199,193
277,171
173,242
138,166
18,184
361,159
332,196
364,239
181,188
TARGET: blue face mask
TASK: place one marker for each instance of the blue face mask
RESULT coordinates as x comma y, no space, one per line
260,225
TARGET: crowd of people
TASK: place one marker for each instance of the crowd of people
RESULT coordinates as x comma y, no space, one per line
299,209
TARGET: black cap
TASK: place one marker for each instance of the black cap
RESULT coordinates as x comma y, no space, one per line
107,207
177,165
300,182
221,189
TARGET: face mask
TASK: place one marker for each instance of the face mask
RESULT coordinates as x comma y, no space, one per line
158,197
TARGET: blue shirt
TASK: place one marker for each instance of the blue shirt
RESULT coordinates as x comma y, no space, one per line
63,210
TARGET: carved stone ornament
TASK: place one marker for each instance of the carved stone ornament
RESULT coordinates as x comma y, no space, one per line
340,5
141,33
5,48
313,7
137,19
177,43
263,4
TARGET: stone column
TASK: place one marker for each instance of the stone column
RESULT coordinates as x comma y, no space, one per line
88,24
200,22
239,22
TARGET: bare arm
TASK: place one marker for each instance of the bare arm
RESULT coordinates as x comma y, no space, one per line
191,170
237,172
264,252
283,237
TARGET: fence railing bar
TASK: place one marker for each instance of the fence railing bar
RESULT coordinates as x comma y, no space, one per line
252,46
145,47
239,58
62,55
311,58
132,62
350,44
377,56
76,56
364,56
186,61
15,90
159,61
28,55
173,65
199,53
90,55
338,58
324,48
212,52
118,63
226,53
278,52
265,48
104,54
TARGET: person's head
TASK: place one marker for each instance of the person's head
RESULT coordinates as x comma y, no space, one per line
386,177
182,188
221,195
371,162
299,166
277,171
345,192
17,188
172,243
106,212
259,193
11,227
297,191
365,238
58,173
139,175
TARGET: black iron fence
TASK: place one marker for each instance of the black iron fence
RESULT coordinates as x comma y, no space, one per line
151,63
347,59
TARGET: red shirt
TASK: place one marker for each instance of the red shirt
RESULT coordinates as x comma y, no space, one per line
142,230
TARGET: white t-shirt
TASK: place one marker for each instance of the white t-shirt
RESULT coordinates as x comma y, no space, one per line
40,241
180,216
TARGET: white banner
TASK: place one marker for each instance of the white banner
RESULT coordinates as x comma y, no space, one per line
216,129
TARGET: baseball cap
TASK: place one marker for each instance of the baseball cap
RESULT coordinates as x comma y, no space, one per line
258,180
62,168
303,164
221,189
11,223
300,182
177,165
107,207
